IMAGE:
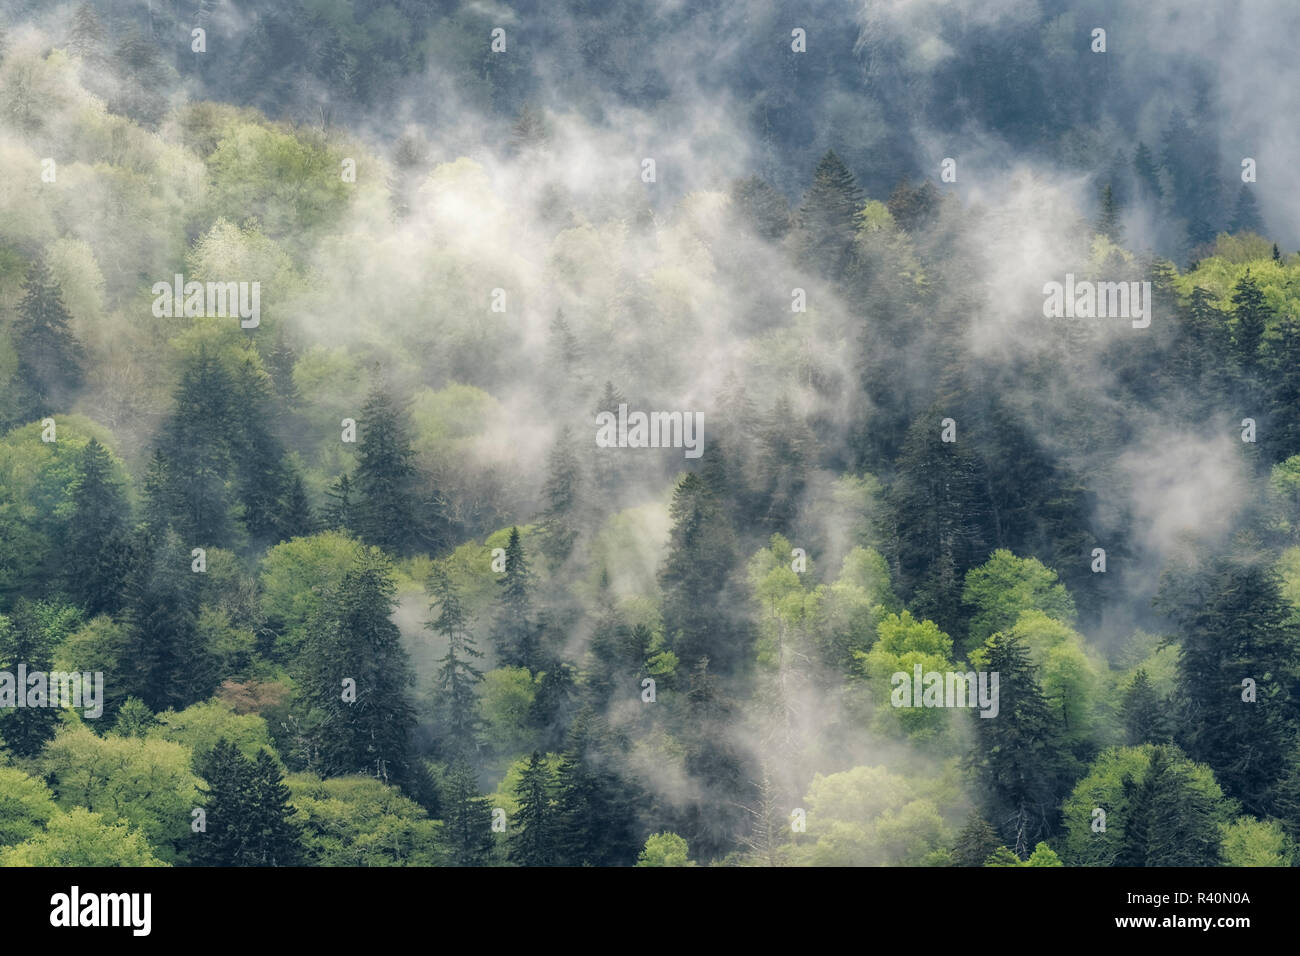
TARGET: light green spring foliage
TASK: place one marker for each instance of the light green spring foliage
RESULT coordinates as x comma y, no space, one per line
1004,586
295,575
199,726
785,606
26,806
1043,855
1069,674
506,796
904,642
1251,842
82,838
871,816
146,783
1104,787
360,821
664,849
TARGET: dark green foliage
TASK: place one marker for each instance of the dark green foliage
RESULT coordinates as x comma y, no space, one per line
975,843
387,510
249,821
827,218
50,359
1168,820
467,819
457,676
351,638
96,552
536,839
514,630
1146,716
1019,762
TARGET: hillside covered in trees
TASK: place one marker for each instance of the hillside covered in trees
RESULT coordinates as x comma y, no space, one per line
367,586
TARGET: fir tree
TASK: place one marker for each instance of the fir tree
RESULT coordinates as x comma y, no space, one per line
1019,761
249,821
96,553
535,841
352,638
1108,223
828,218
562,491
340,513
1145,720
50,359
760,208
25,640
514,631
975,843
387,511
467,819
457,675
1245,216
1251,320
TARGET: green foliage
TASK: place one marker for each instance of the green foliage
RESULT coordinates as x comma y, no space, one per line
82,838
664,849
359,821
26,806
1005,586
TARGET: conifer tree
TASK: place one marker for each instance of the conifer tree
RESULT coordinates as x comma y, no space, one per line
352,638
248,817
1108,223
340,513
467,818
388,507
535,840
457,675
562,491
1019,760
1245,216
828,217
1251,314
50,359
1145,714
24,640
96,551
975,843
514,631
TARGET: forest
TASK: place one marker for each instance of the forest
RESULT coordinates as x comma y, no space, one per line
374,564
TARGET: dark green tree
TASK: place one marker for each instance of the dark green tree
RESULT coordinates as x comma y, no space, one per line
249,821
1146,716
354,677
975,843
1245,216
514,630
467,818
95,558
50,358
828,218
388,505
1108,223
536,839
457,676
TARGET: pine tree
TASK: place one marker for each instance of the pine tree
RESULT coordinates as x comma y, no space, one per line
1245,216
1145,720
828,218
606,463
595,820
50,359
1251,320
457,676
134,718
352,638
293,514
467,819
975,843
261,475
196,444
696,578
535,841
562,491
96,552
249,821
340,513
1148,176
786,448
166,662
514,630
1108,223
1235,625
387,511
1019,760
25,640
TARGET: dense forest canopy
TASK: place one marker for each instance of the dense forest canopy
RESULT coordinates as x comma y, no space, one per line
310,317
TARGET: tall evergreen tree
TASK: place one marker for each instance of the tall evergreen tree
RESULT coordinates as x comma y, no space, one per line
27,639
1145,714
975,843
1245,216
828,218
249,821
514,630
467,818
1019,759
699,593
457,675
535,840
95,558
1251,314
340,513
388,506
562,491
1108,223
365,726
1235,627
50,358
